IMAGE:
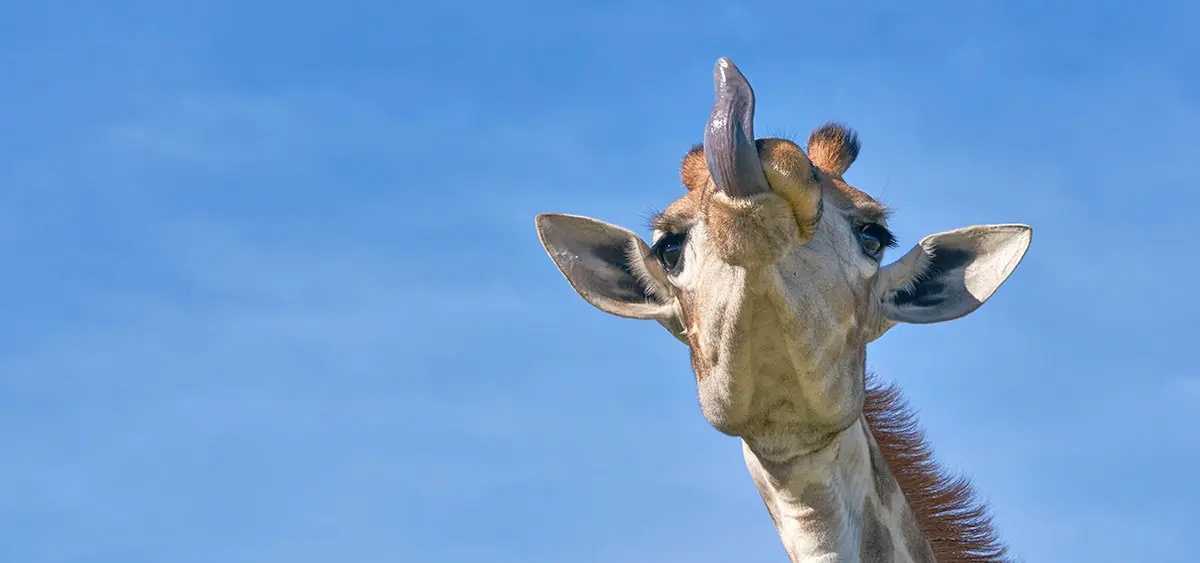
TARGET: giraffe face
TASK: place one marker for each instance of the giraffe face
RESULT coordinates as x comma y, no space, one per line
770,269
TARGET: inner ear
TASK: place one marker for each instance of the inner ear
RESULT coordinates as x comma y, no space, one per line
609,266
949,275
944,269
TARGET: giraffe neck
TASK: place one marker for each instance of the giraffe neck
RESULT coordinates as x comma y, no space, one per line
839,503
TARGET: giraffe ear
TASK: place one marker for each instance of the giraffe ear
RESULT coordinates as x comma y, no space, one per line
949,275
610,267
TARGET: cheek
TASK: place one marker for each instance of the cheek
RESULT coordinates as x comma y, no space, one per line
849,271
692,334
683,287
829,296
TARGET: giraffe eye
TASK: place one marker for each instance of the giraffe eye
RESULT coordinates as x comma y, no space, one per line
669,251
874,238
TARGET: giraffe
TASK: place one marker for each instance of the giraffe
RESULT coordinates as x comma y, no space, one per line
769,268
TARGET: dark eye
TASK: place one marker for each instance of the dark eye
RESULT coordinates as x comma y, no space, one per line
669,250
874,238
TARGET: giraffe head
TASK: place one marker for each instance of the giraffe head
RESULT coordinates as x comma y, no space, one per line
770,268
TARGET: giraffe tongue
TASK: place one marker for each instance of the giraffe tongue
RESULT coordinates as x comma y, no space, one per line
729,147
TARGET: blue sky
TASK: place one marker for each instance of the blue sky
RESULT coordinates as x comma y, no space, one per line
272,290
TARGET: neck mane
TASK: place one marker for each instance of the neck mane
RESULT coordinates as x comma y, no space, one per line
874,493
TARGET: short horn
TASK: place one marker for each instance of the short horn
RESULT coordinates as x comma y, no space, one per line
729,148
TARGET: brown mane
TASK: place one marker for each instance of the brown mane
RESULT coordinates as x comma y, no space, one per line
957,524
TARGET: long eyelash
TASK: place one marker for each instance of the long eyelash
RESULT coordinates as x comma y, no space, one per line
892,242
653,218
665,223
883,234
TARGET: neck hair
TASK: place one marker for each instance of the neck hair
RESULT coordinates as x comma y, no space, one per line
874,493
955,520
